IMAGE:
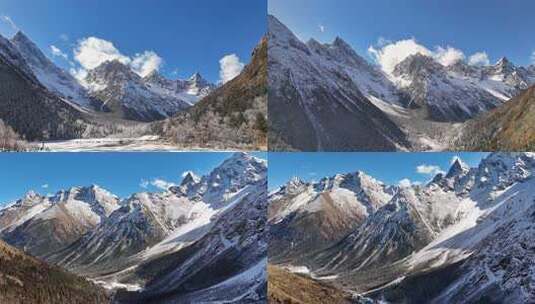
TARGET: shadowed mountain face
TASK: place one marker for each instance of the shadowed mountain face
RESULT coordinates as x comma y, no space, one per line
463,237
24,279
315,106
27,106
508,128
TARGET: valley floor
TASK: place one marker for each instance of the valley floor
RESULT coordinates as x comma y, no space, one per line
148,143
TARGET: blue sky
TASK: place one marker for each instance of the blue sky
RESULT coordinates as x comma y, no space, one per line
389,168
190,36
120,173
499,28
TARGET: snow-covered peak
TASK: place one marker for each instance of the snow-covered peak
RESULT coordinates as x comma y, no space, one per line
418,65
280,34
49,75
458,168
190,178
30,195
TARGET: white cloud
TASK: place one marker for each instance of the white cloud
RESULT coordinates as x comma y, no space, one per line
533,57
9,22
230,67
429,169
64,37
390,55
322,28
44,186
146,62
58,53
144,184
405,183
479,58
448,56
92,52
161,184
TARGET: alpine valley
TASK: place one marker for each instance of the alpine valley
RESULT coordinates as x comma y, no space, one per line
464,237
114,108
201,241
325,97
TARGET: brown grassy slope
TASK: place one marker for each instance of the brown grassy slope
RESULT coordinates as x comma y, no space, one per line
510,127
234,115
24,279
285,287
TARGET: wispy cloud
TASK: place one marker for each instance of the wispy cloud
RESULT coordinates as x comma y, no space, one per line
322,28
44,186
64,37
162,184
6,19
479,58
144,184
429,169
157,183
58,53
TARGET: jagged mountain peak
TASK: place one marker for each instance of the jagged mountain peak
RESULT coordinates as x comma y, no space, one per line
190,178
196,77
417,63
22,38
294,184
458,167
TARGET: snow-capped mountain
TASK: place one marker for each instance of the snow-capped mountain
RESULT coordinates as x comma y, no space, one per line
310,84
124,92
462,237
75,107
327,97
28,106
43,224
51,76
459,91
308,217
135,243
228,262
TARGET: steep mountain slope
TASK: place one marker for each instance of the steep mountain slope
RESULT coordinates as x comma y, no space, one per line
233,115
52,77
446,96
306,91
463,237
28,107
307,218
283,284
40,224
24,279
507,128
228,263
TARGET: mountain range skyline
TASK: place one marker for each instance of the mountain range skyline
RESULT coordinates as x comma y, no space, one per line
410,26
122,174
391,168
140,33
